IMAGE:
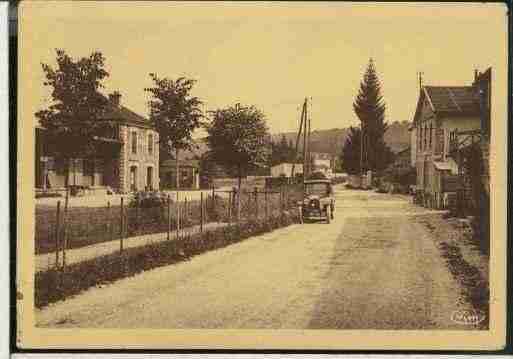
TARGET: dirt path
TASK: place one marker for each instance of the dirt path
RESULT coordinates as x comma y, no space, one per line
373,267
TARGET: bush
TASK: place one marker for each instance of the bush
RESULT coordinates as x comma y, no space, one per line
148,199
48,195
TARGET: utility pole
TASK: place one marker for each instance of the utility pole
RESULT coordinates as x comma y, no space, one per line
297,141
309,153
305,136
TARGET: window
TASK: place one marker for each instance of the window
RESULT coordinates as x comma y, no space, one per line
425,136
420,137
430,135
134,142
88,167
150,144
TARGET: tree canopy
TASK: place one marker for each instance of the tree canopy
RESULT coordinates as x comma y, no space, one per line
174,112
370,109
238,138
71,120
282,151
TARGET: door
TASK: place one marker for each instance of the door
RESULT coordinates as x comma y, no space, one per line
149,178
133,178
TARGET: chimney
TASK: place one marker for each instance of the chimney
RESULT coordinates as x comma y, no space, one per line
115,98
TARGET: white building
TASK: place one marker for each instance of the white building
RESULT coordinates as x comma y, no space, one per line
285,169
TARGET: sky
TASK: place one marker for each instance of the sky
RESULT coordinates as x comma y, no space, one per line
271,55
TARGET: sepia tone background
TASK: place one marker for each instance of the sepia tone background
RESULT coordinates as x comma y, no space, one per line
270,54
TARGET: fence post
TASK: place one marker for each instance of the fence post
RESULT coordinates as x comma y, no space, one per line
201,212
185,217
214,202
266,205
281,201
136,214
57,231
256,202
122,226
238,204
168,216
230,205
109,221
177,215
65,230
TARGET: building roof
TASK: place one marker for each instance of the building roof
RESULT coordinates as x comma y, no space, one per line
449,100
404,150
453,99
449,165
297,166
182,163
127,116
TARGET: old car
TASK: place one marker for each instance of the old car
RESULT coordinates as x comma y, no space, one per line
318,201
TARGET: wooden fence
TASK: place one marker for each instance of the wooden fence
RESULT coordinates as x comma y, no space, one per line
65,227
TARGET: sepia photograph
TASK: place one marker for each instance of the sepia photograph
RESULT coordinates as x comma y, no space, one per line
261,175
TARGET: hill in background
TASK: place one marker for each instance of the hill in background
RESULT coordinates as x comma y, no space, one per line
397,138
331,141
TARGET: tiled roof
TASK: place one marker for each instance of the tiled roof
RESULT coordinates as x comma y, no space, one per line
182,163
123,114
453,100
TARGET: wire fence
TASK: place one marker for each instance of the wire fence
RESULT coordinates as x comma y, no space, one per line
64,227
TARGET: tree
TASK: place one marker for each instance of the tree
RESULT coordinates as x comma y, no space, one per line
281,152
175,114
370,109
237,137
72,119
351,152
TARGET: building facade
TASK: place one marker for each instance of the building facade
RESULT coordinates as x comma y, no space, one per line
441,112
189,174
126,157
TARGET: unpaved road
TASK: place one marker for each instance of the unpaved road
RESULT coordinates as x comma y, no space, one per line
373,267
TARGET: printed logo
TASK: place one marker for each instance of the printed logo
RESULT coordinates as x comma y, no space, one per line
468,317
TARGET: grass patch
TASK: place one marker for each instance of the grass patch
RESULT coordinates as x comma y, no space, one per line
475,288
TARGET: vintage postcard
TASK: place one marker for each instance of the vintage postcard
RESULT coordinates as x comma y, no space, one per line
261,175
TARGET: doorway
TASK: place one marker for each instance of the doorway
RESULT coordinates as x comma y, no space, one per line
149,178
133,178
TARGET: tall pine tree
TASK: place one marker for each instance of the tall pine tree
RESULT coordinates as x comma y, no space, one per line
370,109
351,151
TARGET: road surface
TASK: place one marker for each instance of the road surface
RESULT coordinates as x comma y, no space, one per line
373,267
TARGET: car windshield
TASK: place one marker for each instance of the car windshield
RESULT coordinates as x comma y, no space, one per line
320,189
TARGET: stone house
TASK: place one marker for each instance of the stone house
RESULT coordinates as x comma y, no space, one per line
126,158
441,112
189,174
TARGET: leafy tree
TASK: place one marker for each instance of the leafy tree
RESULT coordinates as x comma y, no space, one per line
370,109
175,114
237,138
351,152
72,119
281,152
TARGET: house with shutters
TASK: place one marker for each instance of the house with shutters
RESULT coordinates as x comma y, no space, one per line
442,112
126,158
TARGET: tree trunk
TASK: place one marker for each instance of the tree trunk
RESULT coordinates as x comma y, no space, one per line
177,171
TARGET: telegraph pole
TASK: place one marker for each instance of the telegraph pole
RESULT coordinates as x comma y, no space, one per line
297,141
309,156
305,136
